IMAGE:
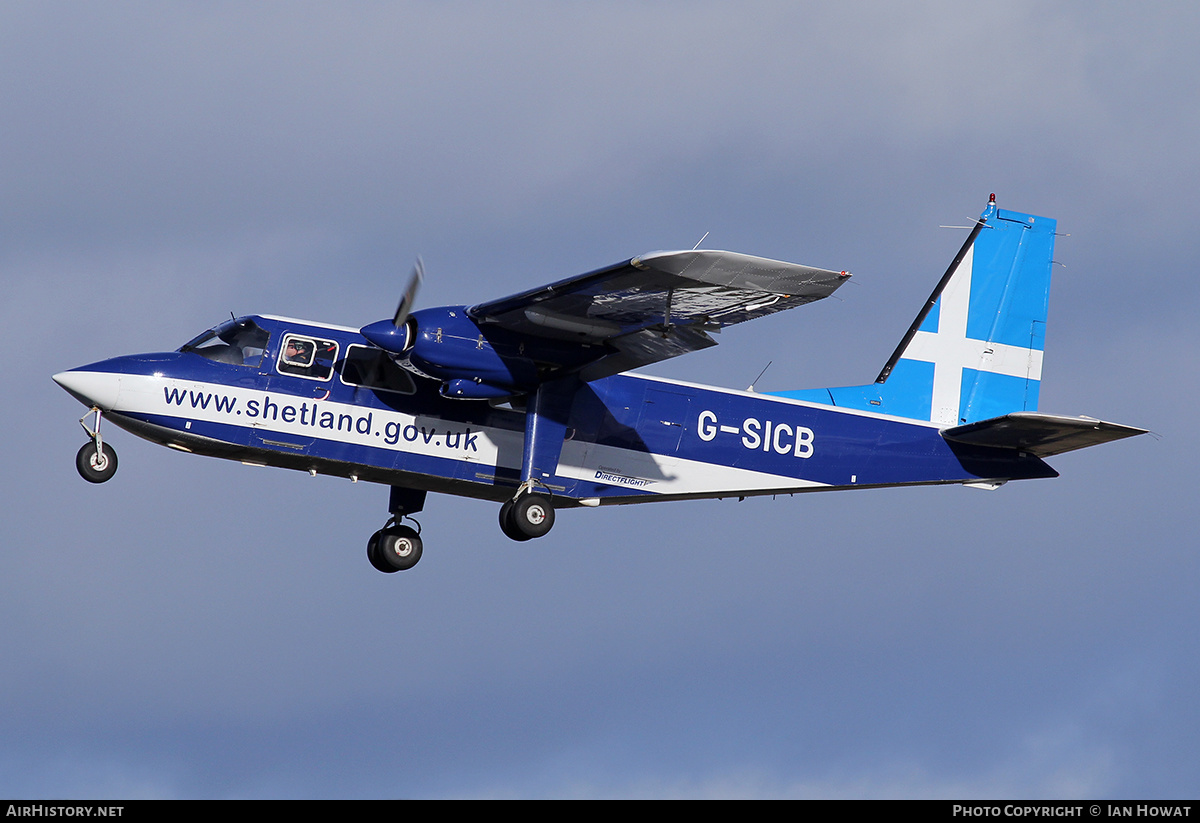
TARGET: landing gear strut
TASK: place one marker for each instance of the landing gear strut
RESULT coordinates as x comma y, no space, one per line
529,514
96,461
396,547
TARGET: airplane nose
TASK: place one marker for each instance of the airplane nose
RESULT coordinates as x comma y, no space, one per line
91,388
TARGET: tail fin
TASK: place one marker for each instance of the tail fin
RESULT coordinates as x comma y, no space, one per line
975,350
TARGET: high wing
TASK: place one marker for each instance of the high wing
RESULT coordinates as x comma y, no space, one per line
658,305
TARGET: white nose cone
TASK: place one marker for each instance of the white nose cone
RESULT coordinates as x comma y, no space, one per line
91,388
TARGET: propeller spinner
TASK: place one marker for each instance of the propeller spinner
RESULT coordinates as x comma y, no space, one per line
392,335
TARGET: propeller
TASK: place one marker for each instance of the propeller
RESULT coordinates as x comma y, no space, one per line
404,308
392,335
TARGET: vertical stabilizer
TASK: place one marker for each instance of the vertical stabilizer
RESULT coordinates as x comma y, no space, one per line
975,349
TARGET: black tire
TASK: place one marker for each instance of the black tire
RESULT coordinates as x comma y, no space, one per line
508,526
398,548
532,515
373,555
96,467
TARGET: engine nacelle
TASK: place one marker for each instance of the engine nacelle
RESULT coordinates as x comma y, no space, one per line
445,344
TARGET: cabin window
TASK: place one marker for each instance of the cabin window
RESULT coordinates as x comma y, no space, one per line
309,357
235,342
373,369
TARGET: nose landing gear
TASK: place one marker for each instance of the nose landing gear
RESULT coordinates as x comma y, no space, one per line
96,461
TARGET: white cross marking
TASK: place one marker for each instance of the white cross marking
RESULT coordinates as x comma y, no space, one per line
950,350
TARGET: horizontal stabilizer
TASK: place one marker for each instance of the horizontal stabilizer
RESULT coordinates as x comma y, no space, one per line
1041,435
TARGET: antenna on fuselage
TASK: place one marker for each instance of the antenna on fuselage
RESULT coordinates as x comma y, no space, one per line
760,374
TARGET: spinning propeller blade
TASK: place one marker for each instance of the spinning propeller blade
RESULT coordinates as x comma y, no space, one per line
410,294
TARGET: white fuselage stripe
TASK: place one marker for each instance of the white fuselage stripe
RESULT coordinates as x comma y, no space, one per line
270,415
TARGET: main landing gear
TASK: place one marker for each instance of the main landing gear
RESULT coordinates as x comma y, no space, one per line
396,547
527,516
96,461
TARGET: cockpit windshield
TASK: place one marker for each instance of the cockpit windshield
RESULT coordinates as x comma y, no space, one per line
239,342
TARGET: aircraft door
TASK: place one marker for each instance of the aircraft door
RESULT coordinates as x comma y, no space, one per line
302,377
663,420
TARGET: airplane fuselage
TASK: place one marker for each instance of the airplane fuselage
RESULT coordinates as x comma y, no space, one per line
628,438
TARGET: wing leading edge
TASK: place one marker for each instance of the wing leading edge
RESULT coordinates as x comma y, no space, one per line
658,305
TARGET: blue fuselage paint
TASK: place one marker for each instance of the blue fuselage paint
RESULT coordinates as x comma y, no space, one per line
629,438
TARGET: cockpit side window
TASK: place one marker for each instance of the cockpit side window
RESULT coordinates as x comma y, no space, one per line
309,357
239,342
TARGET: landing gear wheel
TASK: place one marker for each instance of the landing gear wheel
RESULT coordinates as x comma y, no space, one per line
373,555
531,516
396,549
508,526
96,466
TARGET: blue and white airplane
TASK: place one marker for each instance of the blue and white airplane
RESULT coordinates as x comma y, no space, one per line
527,400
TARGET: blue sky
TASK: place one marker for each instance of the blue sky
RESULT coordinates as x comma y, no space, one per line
198,628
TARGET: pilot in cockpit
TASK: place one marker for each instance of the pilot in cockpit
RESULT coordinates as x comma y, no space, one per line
298,352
